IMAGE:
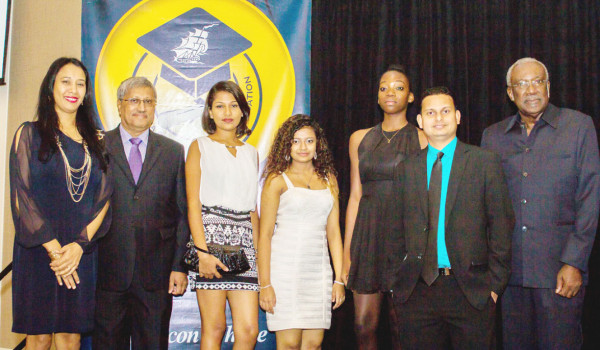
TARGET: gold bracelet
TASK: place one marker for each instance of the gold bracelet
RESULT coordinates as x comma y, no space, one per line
54,255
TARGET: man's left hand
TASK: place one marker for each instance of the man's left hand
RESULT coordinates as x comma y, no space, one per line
568,281
494,297
177,283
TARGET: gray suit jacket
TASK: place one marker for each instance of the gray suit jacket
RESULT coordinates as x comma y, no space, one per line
149,227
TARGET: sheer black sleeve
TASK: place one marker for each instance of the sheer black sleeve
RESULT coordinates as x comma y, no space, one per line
101,197
31,227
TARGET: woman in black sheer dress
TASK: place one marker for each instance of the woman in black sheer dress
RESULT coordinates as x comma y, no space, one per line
59,198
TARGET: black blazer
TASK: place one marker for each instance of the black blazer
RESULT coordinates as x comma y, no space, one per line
149,226
479,223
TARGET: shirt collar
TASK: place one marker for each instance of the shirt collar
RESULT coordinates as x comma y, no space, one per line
125,136
448,150
549,116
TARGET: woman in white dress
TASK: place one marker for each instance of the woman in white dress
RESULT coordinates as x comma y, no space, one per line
299,227
222,183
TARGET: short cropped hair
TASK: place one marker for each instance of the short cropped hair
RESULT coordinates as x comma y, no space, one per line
132,83
524,60
397,68
436,90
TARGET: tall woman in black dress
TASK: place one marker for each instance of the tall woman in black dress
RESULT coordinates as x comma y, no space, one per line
374,154
59,197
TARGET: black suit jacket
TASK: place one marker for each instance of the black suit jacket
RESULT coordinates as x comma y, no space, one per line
479,222
149,226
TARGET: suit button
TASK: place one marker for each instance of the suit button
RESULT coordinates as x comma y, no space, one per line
419,256
425,229
524,201
136,197
524,228
525,174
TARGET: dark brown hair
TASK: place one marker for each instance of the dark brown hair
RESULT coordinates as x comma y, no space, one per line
282,145
436,90
228,86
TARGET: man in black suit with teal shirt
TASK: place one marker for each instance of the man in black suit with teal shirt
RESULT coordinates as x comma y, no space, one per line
457,221
139,259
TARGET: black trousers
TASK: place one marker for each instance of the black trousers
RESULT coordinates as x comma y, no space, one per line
440,317
538,318
134,316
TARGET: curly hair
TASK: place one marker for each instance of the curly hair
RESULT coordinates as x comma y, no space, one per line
282,145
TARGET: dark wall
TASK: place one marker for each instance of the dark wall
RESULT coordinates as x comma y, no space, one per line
466,45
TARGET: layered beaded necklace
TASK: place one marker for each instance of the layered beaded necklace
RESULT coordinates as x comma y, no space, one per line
77,179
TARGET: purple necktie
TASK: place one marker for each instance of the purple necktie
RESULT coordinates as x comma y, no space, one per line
135,158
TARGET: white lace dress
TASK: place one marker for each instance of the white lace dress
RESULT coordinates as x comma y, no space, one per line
301,272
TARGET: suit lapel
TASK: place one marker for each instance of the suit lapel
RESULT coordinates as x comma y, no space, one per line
115,145
152,154
459,163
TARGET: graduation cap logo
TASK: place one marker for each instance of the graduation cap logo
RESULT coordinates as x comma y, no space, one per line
191,46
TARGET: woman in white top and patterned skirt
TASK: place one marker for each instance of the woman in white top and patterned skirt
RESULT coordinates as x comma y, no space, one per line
299,227
222,178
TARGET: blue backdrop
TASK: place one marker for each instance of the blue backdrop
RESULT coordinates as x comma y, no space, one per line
238,40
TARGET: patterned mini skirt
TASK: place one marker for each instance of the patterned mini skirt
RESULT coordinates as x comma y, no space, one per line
234,228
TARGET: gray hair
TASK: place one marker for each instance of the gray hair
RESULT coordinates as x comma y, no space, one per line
524,60
132,83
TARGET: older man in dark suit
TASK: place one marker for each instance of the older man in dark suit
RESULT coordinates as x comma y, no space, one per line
139,259
457,223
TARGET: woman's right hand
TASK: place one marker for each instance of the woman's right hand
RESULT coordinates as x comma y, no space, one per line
70,281
267,299
207,266
53,248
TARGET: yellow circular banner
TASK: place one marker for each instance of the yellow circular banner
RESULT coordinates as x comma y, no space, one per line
184,47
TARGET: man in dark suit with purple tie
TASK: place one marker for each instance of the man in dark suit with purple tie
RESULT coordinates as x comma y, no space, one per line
457,221
139,267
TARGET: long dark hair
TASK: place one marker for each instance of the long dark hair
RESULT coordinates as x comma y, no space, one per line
47,118
228,86
279,158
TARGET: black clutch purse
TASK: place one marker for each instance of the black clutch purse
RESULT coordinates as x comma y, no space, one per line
190,258
231,256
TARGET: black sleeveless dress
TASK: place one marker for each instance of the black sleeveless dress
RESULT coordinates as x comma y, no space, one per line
376,228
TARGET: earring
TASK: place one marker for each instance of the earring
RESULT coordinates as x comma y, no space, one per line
315,157
287,158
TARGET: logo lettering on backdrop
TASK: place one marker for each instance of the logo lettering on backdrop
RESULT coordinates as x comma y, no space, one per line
185,47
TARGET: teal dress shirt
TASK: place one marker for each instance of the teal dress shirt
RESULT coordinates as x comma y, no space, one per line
442,253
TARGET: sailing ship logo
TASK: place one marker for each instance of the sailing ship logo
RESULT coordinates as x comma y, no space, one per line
194,46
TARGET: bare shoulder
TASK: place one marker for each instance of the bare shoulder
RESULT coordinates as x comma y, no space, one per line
275,182
332,180
193,150
356,138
